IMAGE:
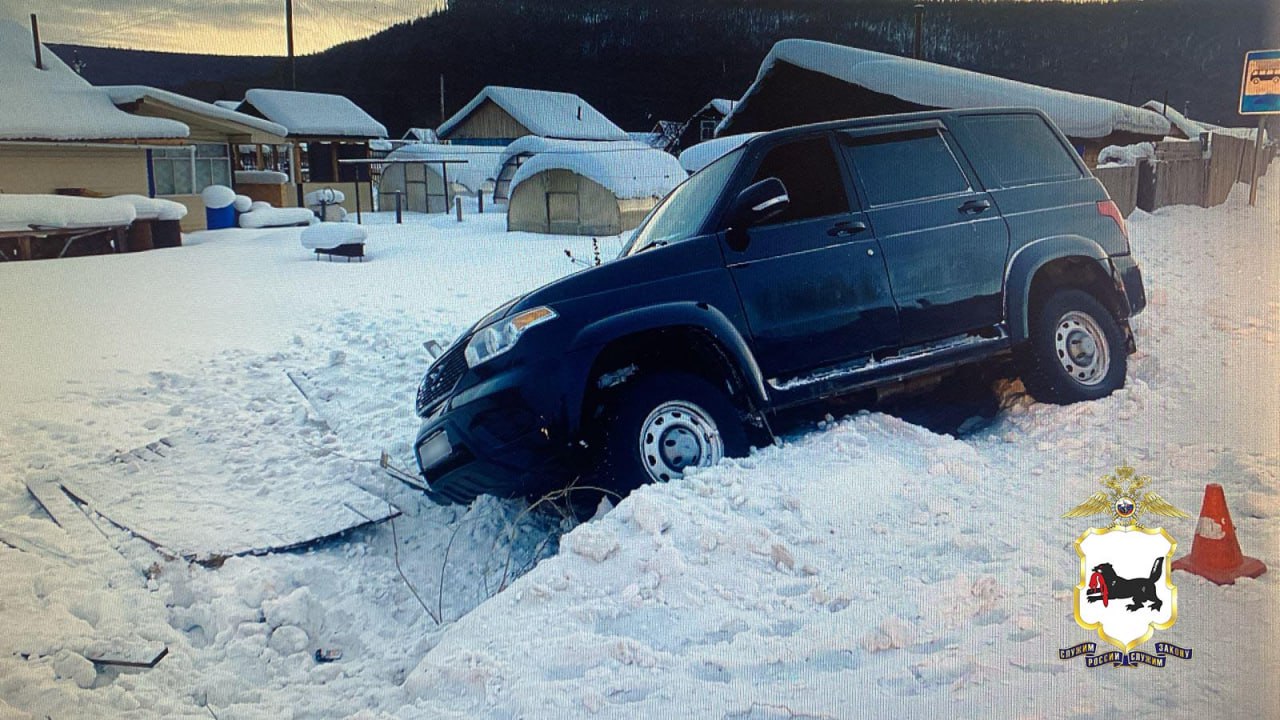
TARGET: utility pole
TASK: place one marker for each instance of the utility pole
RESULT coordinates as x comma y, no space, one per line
288,30
917,51
35,38
442,118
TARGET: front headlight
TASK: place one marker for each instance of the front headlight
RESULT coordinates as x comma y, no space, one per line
502,335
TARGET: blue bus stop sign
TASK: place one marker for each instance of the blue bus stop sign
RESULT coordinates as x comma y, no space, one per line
1260,87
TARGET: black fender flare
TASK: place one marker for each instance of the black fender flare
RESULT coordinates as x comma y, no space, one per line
1027,261
585,347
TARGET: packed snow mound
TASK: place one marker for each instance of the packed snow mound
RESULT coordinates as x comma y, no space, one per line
277,217
63,212
1116,155
261,177
536,145
243,203
327,196
326,235
58,104
940,86
543,112
126,94
217,197
708,151
627,172
148,208
308,113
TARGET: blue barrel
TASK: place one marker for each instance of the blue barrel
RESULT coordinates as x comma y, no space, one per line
220,218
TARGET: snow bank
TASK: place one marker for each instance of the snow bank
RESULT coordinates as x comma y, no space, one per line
261,177
543,112
628,172
325,235
1113,155
57,104
708,151
126,94
155,208
941,86
277,217
306,113
64,212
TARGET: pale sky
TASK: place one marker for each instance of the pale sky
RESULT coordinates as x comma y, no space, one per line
226,27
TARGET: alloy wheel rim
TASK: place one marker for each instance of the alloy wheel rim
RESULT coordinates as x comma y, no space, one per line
676,436
1082,349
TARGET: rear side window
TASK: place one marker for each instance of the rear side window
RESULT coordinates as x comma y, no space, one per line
1020,150
903,166
808,169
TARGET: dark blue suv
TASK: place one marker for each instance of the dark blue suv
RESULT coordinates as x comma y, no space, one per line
807,263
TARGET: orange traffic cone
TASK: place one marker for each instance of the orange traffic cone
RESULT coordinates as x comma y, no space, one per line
1215,552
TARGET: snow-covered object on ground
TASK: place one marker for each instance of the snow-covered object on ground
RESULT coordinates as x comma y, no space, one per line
242,203
543,112
326,235
126,94
328,196
536,145
307,113
1113,155
260,205
64,212
57,104
480,165
940,86
218,196
261,177
708,151
148,208
628,173
277,217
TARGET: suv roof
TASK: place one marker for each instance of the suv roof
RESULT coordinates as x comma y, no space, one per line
875,120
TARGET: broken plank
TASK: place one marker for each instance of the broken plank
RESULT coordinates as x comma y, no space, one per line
79,528
126,653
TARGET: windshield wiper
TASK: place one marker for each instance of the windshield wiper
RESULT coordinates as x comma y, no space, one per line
650,245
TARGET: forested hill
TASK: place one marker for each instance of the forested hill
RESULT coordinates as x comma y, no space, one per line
643,60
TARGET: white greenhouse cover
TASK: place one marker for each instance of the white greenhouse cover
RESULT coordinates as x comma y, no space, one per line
536,145
57,104
123,94
307,113
480,165
627,172
941,86
545,113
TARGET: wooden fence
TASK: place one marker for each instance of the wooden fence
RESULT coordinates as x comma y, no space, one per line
1184,172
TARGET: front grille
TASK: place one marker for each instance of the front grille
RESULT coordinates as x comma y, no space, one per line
441,378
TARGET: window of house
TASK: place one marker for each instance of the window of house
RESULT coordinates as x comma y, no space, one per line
808,169
707,129
903,166
190,169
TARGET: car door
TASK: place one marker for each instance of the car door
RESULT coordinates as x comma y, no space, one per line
944,240
812,280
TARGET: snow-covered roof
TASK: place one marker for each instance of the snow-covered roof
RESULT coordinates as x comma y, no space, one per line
314,114
228,104
941,86
480,166
1190,128
543,112
627,172
424,135
720,105
708,151
536,145
57,104
125,94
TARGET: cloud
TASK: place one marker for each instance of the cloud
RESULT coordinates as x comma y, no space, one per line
225,27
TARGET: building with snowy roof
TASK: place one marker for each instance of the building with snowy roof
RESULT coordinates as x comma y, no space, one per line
58,133
428,176
805,81
500,115
701,126
589,189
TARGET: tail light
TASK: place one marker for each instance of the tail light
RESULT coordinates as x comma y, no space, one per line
1107,208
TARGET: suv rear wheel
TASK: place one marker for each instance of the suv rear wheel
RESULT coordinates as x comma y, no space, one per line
1076,351
664,424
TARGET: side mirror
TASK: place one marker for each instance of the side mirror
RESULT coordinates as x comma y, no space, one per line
755,204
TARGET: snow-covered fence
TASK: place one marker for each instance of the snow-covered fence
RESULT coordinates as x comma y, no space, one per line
1192,172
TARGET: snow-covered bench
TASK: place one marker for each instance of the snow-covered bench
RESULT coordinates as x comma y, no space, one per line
335,239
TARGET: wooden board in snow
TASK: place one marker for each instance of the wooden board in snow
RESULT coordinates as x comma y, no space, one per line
208,496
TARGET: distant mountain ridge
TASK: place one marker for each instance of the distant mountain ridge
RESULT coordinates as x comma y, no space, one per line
641,61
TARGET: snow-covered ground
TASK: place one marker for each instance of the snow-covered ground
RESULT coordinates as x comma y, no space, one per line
865,568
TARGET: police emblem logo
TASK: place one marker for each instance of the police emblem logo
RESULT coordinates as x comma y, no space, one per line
1125,592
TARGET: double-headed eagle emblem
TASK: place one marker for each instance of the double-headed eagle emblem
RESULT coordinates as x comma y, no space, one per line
1123,503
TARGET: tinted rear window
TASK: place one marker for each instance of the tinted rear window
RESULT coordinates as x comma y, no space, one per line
1020,150
903,166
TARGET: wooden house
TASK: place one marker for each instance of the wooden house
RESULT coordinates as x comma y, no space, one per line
500,115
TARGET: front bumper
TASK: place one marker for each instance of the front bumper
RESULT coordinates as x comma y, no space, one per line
502,436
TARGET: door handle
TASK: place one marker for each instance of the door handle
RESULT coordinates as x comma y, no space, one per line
847,228
973,207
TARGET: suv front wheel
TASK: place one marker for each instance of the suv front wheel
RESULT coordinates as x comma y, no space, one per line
664,424
1076,351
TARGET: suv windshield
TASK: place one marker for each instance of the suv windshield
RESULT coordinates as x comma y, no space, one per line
685,209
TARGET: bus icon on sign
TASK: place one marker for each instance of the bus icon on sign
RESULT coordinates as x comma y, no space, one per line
1260,87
